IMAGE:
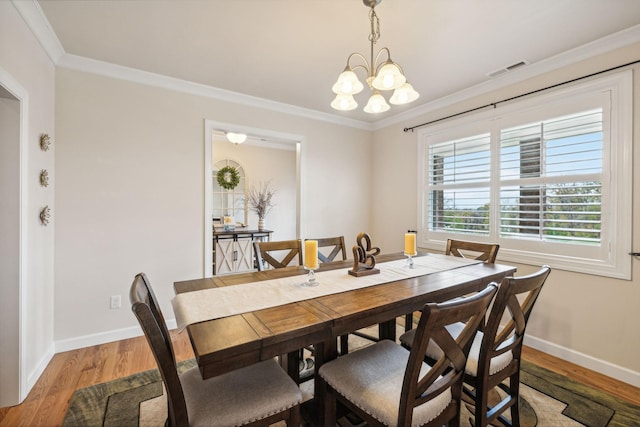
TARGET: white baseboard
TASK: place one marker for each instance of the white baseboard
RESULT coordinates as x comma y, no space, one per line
601,366
34,375
104,337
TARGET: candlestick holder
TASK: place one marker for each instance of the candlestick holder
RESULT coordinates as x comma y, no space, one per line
311,278
410,263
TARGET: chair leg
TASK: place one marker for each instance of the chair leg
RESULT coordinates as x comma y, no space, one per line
344,344
514,391
295,419
481,406
330,407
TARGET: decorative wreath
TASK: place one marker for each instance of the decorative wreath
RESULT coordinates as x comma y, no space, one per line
228,177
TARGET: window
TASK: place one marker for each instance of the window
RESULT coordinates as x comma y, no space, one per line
549,179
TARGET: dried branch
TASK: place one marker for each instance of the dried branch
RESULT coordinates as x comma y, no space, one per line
260,199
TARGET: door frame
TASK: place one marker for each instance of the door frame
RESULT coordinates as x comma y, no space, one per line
17,396
209,127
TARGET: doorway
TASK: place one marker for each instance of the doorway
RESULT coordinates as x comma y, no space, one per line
258,139
12,230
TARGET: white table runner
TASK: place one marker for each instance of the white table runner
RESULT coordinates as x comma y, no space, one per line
209,304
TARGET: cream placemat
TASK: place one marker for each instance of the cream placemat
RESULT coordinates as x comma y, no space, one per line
209,304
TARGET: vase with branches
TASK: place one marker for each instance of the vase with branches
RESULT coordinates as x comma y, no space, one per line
260,201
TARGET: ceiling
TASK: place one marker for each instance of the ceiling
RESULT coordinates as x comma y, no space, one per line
291,51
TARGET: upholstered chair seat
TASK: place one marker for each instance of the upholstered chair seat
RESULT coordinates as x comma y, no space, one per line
227,400
373,382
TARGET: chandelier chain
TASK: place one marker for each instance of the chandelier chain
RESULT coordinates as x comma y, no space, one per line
375,26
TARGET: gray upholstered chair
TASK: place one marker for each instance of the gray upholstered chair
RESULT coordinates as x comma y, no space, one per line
386,384
259,394
496,351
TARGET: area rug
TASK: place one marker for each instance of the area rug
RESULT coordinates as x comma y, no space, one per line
547,399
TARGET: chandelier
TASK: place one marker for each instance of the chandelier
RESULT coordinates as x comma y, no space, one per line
384,76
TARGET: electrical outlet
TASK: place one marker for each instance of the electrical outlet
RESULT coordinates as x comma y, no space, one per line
116,301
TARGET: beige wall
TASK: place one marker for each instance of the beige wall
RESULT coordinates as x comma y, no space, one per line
129,195
25,67
588,319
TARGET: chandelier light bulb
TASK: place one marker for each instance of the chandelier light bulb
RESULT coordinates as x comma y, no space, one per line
344,103
404,95
347,83
389,77
376,104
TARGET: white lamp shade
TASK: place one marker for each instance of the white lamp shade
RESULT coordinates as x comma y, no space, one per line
389,77
376,104
347,84
344,103
236,138
404,95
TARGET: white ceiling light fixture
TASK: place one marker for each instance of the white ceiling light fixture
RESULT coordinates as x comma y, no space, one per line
236,138
381,76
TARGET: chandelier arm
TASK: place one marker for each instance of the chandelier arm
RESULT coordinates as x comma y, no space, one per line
377,67
366,66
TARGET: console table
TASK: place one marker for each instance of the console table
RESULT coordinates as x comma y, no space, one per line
233,250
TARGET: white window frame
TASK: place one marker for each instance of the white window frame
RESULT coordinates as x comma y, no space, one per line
611,258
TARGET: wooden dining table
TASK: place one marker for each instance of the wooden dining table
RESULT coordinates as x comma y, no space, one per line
232,342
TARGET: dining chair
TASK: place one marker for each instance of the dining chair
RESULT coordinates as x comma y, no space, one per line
495,354
387,384
257,395
486,252
278,254
335,246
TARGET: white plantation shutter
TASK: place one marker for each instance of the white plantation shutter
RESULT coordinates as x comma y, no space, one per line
551,179
548,178
459,176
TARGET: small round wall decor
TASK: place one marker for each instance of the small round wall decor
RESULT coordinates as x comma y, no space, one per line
228,177
45,214
44,178
45,142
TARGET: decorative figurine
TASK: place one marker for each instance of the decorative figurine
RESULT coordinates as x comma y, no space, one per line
364,260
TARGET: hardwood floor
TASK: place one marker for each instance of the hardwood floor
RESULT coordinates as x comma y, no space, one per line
47,403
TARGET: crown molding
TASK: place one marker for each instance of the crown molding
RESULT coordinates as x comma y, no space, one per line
88,65
603,45
35,18
39,25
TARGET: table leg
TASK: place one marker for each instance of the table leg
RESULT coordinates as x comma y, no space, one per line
387,330
290,362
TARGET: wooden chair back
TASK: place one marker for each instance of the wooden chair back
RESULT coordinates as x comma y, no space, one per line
448,371
486,252
146,309
334,245
514,301
277,254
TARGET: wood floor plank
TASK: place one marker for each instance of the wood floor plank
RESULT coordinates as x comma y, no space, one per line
586,376
47,403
